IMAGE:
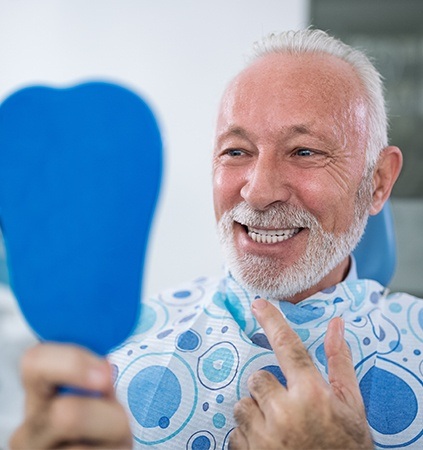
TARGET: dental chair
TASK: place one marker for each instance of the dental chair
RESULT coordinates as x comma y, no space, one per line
376,254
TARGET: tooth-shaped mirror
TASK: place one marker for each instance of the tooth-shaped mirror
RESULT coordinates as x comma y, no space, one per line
80,172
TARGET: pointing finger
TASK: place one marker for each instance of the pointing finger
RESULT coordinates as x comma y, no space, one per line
290,352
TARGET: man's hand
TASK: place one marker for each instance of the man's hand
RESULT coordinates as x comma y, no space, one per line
54,420
309,413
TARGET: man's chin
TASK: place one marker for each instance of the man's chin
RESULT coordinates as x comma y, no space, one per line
269,277
264,277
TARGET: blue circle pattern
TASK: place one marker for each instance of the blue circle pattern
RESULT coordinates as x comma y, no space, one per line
201,440
199,315
156,385
182,294
201,443
219,420
391,395
220,398
218,366
188,341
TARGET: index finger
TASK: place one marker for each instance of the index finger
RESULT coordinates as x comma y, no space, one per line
46,367
290,352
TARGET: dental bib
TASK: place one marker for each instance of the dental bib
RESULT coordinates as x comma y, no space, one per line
189,359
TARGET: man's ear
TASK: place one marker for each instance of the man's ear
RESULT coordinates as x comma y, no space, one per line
385,175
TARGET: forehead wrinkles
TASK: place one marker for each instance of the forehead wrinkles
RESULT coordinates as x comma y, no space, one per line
294,87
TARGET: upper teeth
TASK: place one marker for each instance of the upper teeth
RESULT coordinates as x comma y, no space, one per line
271,236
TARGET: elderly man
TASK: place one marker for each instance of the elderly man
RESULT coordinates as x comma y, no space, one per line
259,358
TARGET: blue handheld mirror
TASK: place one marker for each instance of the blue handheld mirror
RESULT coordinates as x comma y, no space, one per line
80,172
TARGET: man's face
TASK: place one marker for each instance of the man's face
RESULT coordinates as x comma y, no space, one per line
289,161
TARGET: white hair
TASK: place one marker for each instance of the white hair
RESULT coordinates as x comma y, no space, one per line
317,41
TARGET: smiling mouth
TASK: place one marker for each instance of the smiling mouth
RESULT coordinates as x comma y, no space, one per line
270,236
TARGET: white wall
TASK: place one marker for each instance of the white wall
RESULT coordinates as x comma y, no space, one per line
179,54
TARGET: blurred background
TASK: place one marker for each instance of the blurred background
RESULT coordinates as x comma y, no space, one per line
391,32
179,55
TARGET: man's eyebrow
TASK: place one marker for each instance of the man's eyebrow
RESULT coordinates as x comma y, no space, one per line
233,131
307,129
299,129
238,131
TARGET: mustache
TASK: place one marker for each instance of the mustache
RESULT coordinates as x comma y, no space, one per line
277,216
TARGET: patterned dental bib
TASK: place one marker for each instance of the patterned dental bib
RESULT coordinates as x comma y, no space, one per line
188,361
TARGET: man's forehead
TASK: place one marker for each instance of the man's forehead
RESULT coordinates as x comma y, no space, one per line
310,82
287,96
302,72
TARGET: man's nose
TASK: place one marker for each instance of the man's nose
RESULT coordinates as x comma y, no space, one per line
266,184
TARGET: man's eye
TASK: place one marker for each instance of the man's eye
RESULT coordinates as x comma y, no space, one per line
304,152
234,152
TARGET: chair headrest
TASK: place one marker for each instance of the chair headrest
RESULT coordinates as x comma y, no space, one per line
376,253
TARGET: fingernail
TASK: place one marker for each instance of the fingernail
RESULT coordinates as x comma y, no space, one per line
260,303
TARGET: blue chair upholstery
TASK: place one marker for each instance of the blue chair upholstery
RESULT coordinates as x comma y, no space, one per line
376,254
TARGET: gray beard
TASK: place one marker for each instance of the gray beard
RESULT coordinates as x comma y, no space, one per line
266,276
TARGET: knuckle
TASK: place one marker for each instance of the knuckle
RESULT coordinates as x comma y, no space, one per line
237,440
75,358
33,371
302,358
242,408
288,339
261,376
317,395
281,337
262,383
254,380
30,359
65,417
124,433
38,362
